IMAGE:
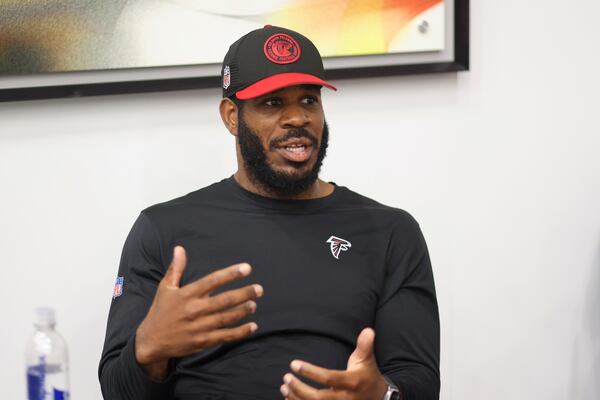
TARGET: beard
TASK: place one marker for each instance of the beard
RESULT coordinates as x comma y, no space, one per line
261,173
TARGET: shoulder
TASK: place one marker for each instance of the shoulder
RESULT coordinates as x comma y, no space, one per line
181,207
397,217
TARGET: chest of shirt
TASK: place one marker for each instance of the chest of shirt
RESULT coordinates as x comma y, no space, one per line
326,270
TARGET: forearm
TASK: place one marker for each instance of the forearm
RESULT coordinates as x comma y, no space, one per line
407,320
122,378
156,369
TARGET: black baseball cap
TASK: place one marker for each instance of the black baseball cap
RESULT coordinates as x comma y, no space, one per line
268,59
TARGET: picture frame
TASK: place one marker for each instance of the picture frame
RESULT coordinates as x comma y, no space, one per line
158,79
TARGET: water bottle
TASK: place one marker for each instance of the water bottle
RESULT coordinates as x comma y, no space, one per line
47,360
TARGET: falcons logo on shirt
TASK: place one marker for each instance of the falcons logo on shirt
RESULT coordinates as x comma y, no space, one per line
338,245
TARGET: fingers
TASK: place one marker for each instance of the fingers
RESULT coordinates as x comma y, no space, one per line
231,298
364,346
176,268
337,379
365,340
215,337
225,318
212,281
230,301
293,389
363,355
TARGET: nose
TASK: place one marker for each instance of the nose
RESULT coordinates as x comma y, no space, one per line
294,116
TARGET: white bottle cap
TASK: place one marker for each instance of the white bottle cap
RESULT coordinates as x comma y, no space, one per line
45,316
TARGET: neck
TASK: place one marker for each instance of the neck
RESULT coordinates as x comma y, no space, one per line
318,189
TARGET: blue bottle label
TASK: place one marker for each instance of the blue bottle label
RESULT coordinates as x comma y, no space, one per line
40,388
35,383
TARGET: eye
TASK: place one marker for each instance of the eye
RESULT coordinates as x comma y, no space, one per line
310,100
272,102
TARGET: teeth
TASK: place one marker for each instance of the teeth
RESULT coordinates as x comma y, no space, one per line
295,149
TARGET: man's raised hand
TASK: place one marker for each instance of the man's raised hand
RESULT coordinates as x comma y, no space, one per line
360,381
185,320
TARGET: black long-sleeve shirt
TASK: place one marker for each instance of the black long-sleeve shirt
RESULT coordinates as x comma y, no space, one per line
329,267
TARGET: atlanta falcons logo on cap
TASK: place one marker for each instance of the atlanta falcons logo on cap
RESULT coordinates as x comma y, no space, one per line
282,49
338,245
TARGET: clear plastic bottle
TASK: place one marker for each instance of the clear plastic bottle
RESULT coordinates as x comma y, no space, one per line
47,360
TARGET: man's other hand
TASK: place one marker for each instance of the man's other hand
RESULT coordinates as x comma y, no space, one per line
186,320
360,381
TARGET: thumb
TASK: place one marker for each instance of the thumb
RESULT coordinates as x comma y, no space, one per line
364,347
176,268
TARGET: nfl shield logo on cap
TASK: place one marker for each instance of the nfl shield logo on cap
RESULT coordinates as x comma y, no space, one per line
226,77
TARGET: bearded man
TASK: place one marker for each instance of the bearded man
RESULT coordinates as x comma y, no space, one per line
342,302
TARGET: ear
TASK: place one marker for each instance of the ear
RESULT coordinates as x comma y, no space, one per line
229,115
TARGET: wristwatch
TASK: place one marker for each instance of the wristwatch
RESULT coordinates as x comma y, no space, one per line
393,393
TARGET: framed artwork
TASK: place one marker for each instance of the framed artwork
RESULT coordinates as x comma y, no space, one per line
71,48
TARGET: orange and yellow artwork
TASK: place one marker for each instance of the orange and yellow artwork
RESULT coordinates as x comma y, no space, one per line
39,36
360,27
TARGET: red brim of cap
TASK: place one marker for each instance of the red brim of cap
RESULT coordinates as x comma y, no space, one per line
279,81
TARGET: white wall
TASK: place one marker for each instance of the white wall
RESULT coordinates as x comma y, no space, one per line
500,165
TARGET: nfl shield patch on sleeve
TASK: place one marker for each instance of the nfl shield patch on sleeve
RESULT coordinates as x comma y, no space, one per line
118,289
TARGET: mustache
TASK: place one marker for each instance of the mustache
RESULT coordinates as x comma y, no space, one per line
293,134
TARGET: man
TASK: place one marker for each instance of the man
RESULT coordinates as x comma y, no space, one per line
342,303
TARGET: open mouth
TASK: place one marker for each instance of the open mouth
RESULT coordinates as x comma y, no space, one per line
297,150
